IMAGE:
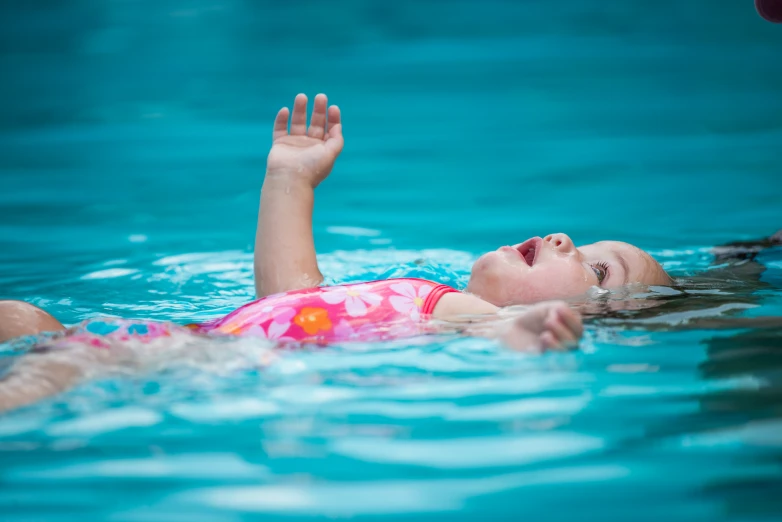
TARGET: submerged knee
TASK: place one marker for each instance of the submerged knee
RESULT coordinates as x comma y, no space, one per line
18,319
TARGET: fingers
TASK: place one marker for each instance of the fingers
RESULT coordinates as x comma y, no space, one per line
573,321
318,121
561,333
299,117
281,124
546,326
563,328
325,123
334,140
548,341
335,118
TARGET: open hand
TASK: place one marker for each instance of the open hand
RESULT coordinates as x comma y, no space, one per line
306,154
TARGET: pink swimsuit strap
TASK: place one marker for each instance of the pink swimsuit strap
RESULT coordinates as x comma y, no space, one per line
376,310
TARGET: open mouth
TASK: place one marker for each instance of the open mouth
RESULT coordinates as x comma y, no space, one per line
529,250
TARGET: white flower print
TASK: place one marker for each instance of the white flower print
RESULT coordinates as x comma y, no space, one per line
344,331
274,333
409,301
355,297
280,324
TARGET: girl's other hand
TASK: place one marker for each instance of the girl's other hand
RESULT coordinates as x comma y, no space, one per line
548,326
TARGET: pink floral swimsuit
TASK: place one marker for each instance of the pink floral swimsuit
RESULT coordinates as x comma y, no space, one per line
365,311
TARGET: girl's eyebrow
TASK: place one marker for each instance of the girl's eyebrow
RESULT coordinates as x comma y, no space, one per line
622,261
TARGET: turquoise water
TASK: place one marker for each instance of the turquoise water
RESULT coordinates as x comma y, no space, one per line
132,144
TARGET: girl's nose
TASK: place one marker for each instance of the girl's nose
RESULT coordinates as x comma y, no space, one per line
561,243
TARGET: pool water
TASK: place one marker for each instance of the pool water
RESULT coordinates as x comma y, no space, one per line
133,137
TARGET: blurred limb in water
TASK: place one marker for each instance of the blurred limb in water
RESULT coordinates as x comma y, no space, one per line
56,363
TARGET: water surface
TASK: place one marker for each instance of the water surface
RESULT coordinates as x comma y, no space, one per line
132,144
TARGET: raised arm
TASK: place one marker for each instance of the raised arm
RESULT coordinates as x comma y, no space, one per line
298,161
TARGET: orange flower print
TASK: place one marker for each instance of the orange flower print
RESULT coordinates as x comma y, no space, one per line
230,328
313,320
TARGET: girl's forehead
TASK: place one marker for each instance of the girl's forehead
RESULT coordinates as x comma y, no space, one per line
609,246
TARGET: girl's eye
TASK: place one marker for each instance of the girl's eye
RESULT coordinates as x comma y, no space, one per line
601,271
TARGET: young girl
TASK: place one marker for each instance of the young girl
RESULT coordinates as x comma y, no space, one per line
292,307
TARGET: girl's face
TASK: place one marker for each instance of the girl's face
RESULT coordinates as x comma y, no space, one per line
553,268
